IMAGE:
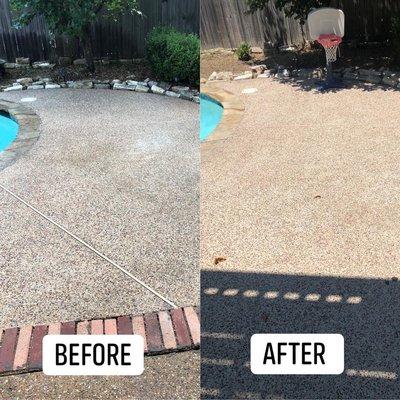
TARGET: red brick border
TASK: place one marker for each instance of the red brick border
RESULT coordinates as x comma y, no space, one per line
164,331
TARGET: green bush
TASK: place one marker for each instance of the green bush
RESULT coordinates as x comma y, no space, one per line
244,52
174,56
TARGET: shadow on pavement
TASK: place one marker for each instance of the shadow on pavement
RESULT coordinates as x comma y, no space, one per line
237,305
310,85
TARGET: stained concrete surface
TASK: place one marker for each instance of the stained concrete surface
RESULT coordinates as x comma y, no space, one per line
121,171
302,201
173,376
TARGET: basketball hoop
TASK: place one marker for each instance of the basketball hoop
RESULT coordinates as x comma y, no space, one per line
330,43
326,25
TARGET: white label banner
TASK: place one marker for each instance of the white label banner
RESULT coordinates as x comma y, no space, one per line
297,354
93,355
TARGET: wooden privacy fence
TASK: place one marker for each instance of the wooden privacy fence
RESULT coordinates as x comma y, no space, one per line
122,39
224,23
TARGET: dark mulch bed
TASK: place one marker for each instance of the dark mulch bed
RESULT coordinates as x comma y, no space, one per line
138,70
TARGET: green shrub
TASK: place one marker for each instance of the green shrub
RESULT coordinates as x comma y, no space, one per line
244,52
174,56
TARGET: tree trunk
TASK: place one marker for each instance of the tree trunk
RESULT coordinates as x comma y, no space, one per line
88,50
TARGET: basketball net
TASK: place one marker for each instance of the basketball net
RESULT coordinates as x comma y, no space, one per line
330,42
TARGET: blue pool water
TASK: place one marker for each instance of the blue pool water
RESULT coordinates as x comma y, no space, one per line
210,115
8,131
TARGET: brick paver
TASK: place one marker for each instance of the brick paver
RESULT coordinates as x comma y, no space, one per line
181,329
22,349
163,332
7,349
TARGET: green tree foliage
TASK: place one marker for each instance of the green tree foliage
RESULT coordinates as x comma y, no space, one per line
71,17
297,9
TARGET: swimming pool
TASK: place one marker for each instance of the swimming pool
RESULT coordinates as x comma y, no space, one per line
210,115
8,130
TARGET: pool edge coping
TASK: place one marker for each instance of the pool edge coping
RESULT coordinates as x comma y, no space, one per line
28,132
232,114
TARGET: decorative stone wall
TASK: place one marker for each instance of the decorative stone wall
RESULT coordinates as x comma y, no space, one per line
146,86
380,77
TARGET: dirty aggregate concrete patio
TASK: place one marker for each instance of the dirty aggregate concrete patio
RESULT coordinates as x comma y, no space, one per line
119,170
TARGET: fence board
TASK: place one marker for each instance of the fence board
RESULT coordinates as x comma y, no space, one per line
223,23
122,39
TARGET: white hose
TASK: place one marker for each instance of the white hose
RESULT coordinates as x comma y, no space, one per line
101,255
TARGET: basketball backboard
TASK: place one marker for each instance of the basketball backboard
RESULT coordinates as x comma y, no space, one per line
326,20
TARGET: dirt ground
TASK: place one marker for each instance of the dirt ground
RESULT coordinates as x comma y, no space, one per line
137,70
365,56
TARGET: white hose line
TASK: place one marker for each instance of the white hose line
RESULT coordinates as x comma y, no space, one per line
101,255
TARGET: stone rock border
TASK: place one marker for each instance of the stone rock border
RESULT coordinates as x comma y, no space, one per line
28,132
233,112
382,76
165,331
146,86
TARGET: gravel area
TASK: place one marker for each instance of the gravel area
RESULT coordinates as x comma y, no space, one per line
119,170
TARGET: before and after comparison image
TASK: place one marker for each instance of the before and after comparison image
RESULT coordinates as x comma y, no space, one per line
199,199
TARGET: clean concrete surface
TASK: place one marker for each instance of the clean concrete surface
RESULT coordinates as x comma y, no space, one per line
303,200
173,376
121,171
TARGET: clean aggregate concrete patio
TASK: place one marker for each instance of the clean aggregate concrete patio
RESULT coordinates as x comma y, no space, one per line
119,170
303,202
307,183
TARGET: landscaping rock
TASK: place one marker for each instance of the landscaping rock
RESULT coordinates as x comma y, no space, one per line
257,50
213,76
25,81
119,86
12,65
114,81
150,84
80,84
188,95
142,88
131,82
64,61
47,80
259,69
22,60
101,86
265,74
79,61
196,99
157,89
42,64
179,89
243,77
35,87
164,85
12,88
52,86
172,94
